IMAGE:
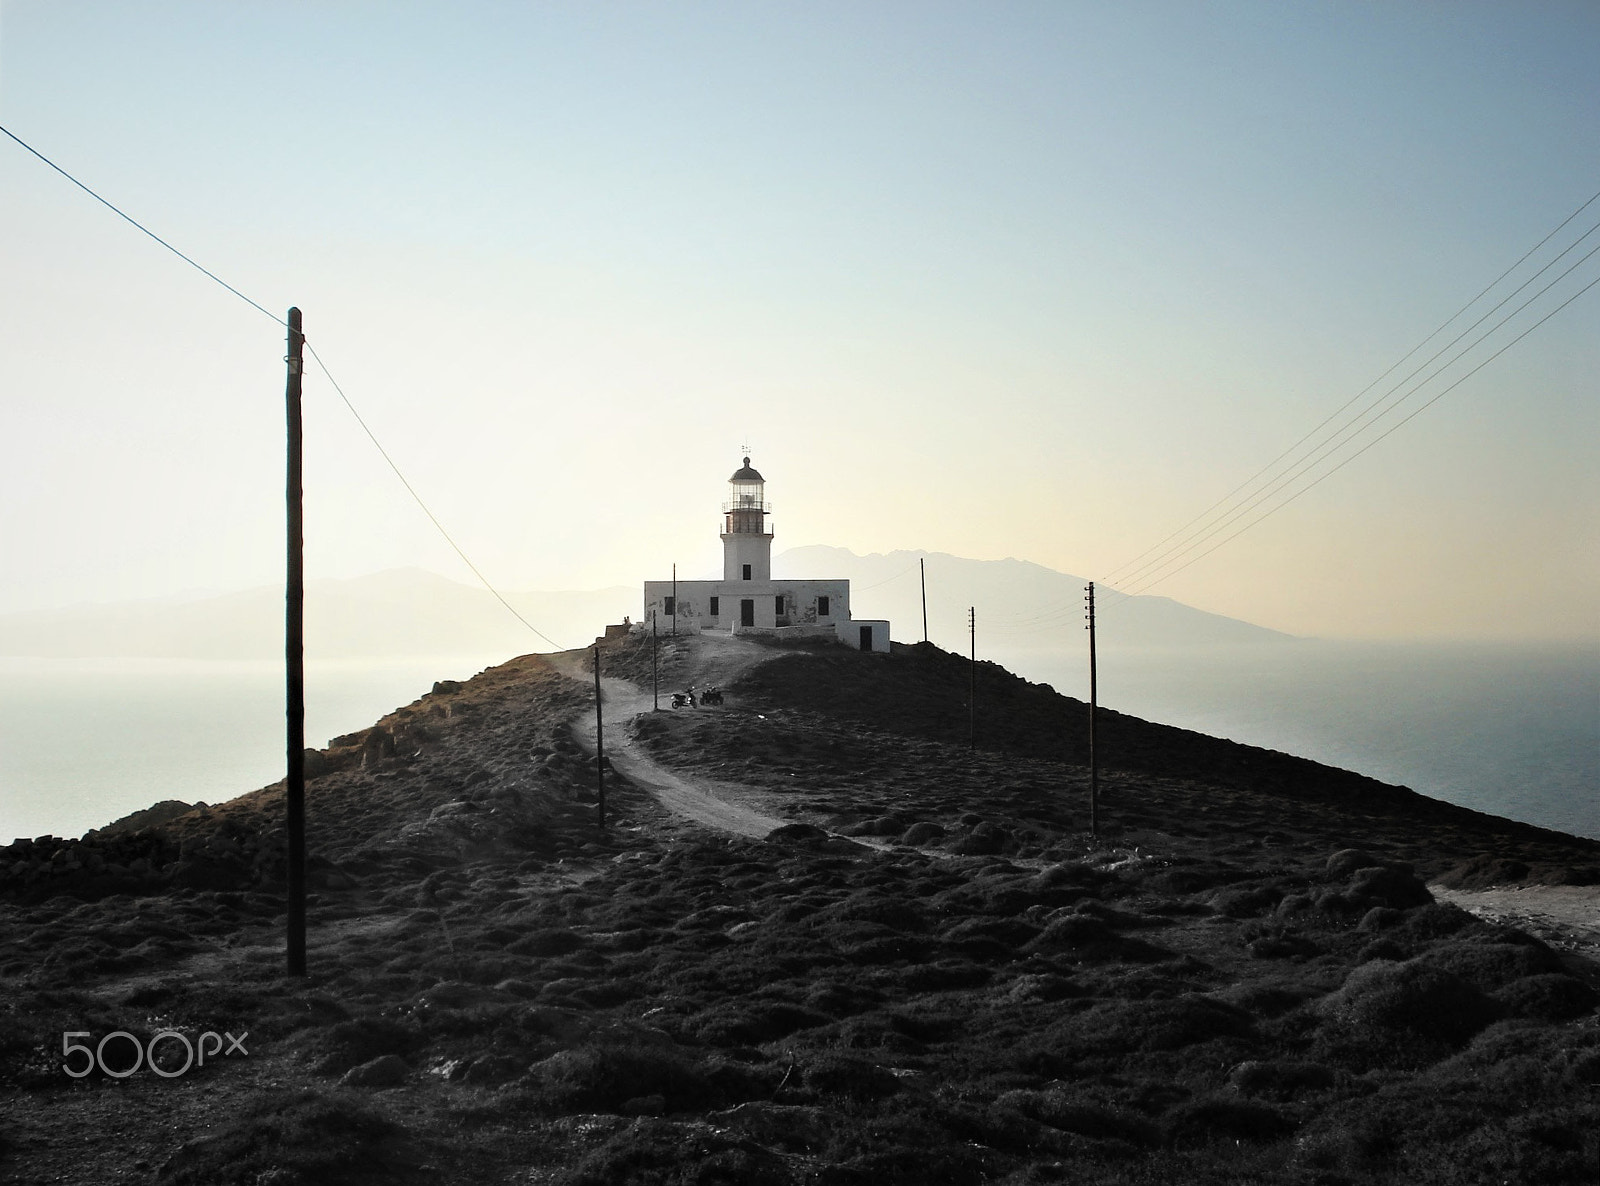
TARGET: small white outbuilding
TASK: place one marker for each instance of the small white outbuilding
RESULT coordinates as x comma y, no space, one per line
747,600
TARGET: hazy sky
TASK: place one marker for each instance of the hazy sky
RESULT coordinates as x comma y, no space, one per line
997,279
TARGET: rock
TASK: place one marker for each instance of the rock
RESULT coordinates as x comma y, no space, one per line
316,763
156,813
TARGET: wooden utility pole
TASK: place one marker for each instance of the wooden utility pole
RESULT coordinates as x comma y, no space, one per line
1094,696
674,600
294,658
972,690
599,740
922,565
655,666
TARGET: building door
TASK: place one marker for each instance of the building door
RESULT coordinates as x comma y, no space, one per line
747,612
866,638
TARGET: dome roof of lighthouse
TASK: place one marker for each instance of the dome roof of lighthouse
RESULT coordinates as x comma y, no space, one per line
746,473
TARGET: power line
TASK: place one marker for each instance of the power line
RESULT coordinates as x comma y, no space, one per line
1179,536
1418,411
885,581
131,221
1323,454
371,436
1365,418
411,490
1183,541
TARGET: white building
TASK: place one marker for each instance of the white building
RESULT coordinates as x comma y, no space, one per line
747,600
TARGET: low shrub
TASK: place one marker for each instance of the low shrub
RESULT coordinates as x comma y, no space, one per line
308,1137
854,1078
1413,996
1071,933
604,1078
1437,920
922,833
753,1022
1388,886
1280,1080
1070,1113
1115,1028
1492,965
1207,1121
1346,861
546,941
944,975
1008,935
348,1044
1246,903
651,1152
886,949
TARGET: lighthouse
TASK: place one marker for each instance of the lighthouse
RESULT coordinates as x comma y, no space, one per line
746,539
748,600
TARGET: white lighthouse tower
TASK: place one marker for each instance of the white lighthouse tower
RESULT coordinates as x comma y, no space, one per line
746,541
747,600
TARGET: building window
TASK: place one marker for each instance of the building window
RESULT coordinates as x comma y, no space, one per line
822,607
714,603
671,609
779,606
747,572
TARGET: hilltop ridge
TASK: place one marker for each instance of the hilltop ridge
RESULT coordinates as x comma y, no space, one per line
931,972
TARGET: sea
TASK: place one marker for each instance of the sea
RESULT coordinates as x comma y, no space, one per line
1508,729
87,741
1513,730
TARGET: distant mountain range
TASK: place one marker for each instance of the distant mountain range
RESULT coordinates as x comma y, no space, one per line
1020,605
410,613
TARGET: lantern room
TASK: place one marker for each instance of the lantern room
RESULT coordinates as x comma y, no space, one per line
746,539
746,509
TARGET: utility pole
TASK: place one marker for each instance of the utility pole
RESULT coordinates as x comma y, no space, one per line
1094,696
972,690
674,599
599,740
922,565
655,666
294,658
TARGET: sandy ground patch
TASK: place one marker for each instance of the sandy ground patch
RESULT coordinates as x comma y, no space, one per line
1565,916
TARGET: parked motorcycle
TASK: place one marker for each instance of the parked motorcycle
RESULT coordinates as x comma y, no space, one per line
684,699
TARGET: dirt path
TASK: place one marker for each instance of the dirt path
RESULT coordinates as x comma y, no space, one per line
713,659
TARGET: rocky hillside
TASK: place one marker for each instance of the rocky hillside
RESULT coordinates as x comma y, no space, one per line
932,974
